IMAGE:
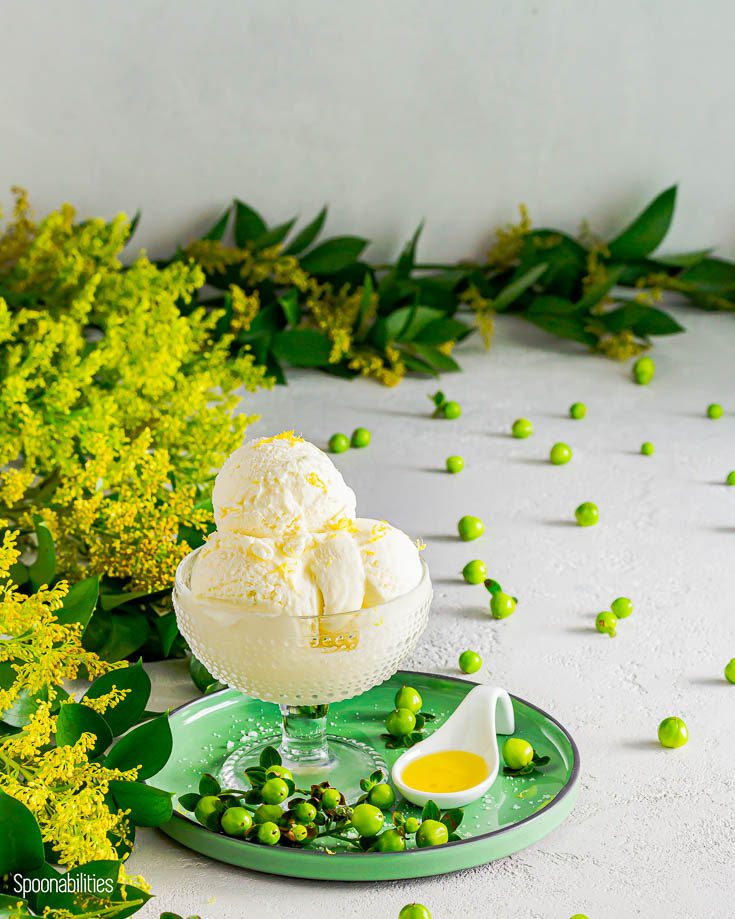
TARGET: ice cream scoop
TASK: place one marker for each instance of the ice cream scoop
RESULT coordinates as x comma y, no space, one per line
262,575
392,561
280,485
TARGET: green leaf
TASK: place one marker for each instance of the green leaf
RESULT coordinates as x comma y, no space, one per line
684,259
78,605
290,305
21,846
407,321
565,259
148,746
133,225
430,811
648,230
366,313
564,327
112,601
304,238
75,719
217,231
87,899
249,225
453,818
148,806
208,785
511,292
274,236
189,801
302,347
200,676
712,275
407,258
168,631
25,704
270,757
550,305
333,255
642,320
114,636
438,360
417,365
129,710
441,330
43,569
595,292
12,907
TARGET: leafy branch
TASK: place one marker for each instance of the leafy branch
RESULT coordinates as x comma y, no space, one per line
321,304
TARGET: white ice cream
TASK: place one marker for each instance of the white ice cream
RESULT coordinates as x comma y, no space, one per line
263,575
287,539
277,486
391,561
292,599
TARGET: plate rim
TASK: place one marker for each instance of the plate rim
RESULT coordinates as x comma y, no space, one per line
483,837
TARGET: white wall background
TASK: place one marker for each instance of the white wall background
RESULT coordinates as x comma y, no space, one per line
391,110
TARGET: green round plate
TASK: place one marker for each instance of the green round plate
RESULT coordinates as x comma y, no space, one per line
515,813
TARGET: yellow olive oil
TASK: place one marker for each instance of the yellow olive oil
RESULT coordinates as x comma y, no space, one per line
451,770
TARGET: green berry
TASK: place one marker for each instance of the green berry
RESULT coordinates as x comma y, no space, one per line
367,820
579,916
673,733
360,438
236,821
338,443
304,812
714,410
274,791
331,798
587,514
730,480
622,607
299,832
643,370
517,752
502,605
400,722
412,824
730,671
208,811
267,813
647,448
470,662
268,833
279,772
560,454
414,911
410,698
522,428
475,572
382,796
452,410
390,841
455,464
431,833
577,411
606,623
470,528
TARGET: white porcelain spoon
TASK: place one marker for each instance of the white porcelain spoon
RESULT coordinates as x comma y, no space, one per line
483,713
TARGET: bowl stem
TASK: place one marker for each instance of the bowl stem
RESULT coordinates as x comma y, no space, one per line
305,735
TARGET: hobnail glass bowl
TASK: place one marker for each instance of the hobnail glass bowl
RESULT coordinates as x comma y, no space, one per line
302,663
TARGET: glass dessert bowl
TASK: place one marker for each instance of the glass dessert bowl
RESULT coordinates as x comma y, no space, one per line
301,663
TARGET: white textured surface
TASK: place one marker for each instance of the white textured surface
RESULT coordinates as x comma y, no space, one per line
653,834
391,111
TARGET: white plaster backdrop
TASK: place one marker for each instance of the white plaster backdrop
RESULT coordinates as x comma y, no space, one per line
391,110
